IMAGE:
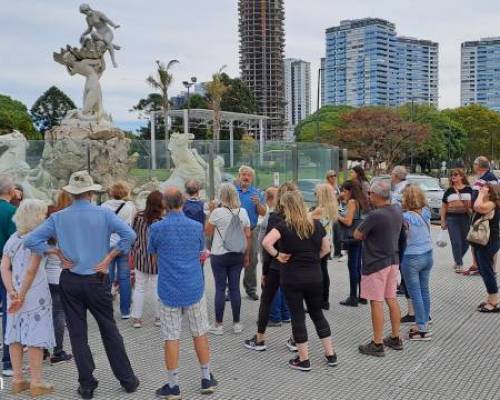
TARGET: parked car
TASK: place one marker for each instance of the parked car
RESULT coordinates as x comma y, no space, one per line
307,188
430,186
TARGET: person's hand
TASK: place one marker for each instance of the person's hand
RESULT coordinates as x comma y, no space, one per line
13,295
212,205
263,281
15,305
444,226
484,190
246,261
66,262
283,258
255,199
103,266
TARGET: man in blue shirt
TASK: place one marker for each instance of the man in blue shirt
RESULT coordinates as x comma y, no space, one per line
82,231
193,207
176,243
252,200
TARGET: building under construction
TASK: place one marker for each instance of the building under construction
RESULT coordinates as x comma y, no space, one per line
262,47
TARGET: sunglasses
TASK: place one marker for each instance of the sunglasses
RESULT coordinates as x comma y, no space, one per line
455,174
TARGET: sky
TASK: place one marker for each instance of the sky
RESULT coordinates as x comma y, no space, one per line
203,35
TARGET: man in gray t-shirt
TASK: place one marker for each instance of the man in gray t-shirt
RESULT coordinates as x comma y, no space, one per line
380,234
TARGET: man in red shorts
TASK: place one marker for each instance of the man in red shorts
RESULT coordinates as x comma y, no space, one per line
379,232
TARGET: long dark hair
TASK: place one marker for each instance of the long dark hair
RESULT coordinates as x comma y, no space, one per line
494,194
154,207
357,194
360,172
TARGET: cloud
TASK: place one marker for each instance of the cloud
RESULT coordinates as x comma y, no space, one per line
203,35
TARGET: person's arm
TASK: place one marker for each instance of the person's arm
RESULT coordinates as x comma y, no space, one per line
86,32
325,247
268,243
443,212
31,272
6,272
317,213
248,249
37,240
481,205
365,227
210,225
261,207
351,210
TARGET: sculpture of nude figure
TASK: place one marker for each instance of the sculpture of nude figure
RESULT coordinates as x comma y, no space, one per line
99,30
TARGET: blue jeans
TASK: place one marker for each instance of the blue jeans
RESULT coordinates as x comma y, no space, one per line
458,228
354,266
416,270
279,309
485,257
5,352
227,271
120,264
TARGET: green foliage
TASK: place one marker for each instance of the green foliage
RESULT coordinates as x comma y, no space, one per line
323,125
50,108
482,126
238,98
14,115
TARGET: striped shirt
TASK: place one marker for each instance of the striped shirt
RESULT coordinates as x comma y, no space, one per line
142,260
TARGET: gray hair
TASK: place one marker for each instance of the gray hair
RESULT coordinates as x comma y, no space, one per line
6,184
192,186
246,168
400,172
381,188
173,198
229,196
482,162
29,215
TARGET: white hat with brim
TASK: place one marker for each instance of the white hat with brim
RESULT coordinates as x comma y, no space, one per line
81,182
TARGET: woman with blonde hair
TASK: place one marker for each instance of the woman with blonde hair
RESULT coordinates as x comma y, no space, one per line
29,321
417,259
120,268
327,212
227,262
455,215
302,244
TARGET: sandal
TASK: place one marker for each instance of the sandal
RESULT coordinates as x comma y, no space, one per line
20,386
485,309
471,271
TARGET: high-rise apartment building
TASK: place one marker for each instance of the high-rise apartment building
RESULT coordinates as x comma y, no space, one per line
480,73
367,64
297,93
418,71
262,45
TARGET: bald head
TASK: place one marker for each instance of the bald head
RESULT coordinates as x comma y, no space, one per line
173,198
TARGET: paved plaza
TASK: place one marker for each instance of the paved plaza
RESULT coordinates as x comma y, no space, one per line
461,362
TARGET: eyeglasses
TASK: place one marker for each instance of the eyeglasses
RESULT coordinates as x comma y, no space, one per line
455,174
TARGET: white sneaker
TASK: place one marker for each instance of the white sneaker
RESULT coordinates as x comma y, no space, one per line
126,316
341,258
237,328
216,330
8,372
137,323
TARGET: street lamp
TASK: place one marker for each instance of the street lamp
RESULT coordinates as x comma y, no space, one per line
318,102
187,85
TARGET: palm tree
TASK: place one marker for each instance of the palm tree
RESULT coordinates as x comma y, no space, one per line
161,82
215,91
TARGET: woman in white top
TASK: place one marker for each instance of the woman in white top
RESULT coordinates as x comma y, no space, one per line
29,321
230,252
126,210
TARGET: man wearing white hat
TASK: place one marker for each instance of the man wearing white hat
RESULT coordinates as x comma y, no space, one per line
82,231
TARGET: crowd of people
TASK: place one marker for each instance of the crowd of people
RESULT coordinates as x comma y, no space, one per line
64,260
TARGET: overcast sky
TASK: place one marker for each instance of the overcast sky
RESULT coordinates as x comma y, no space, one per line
203,35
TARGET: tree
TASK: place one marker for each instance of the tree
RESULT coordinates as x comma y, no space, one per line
323,125
216,89
14,115
380,135
162,82
50,108
482,126
238,97
446,140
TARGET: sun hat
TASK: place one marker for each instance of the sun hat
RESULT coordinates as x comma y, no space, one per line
81,182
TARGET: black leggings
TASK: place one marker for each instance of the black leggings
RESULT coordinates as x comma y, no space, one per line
312,293
266,299
326,278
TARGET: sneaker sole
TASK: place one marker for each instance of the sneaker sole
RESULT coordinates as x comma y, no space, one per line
332,364
170,397
216,333
255,348
291,348
210,390
303,369
420,339
372,354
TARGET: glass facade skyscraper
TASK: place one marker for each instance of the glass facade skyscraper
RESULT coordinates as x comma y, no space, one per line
480,73
297,93
367,64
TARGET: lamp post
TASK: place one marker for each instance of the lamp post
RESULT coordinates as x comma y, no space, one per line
318,98
187,85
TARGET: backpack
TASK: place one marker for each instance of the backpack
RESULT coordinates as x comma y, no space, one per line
234,239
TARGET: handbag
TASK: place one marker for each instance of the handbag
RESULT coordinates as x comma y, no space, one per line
479,232
347,232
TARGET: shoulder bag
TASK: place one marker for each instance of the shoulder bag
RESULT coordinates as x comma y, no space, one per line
479,232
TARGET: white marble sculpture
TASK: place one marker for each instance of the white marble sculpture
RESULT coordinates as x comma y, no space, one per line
189,164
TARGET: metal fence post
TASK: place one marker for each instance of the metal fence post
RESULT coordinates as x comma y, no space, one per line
153,141
344,163
211,176
334,159
295,163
